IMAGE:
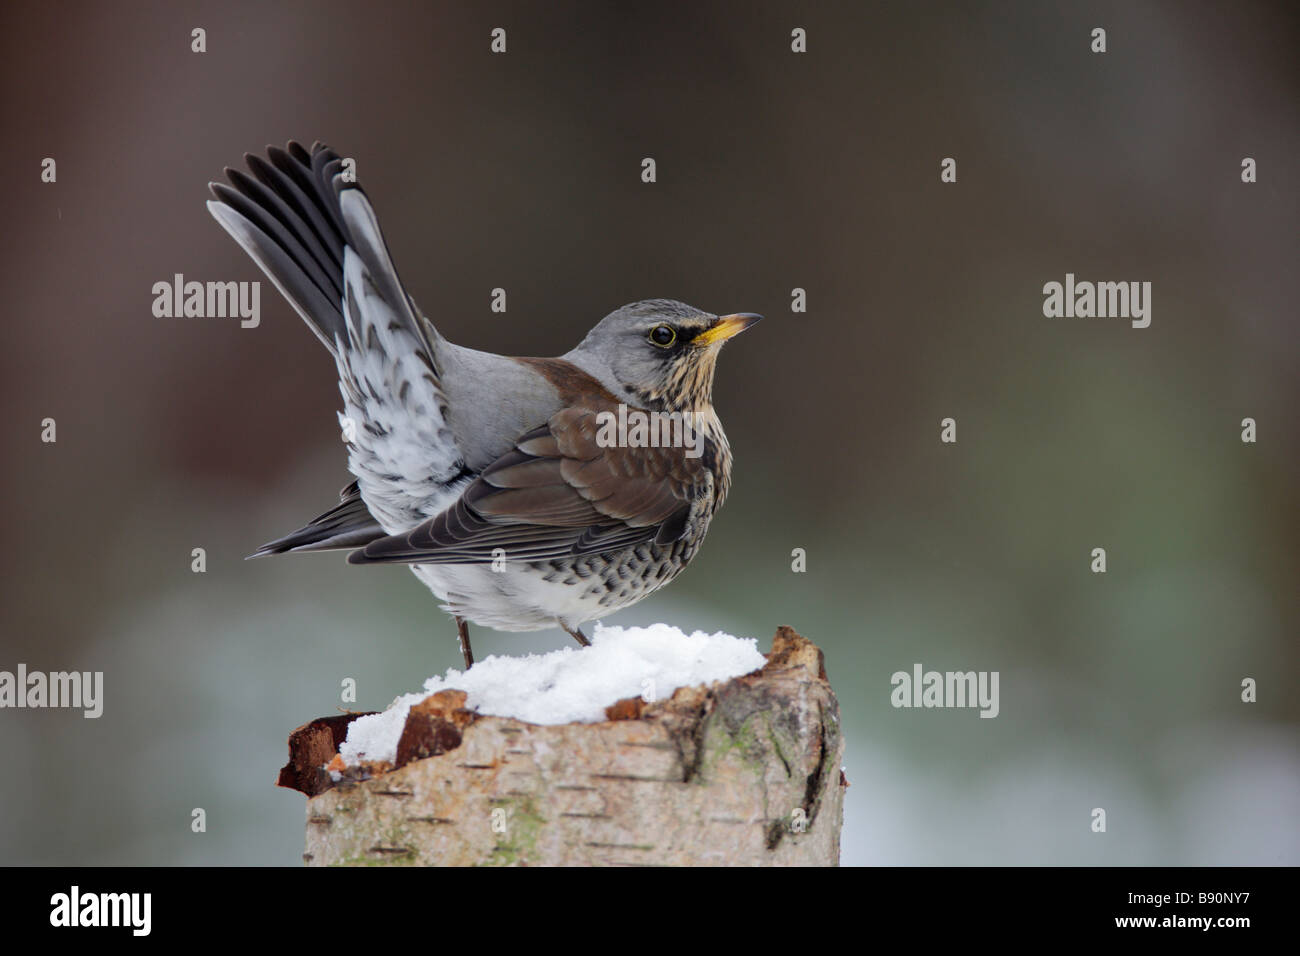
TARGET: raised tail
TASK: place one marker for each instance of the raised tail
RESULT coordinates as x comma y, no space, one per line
313,232
286,216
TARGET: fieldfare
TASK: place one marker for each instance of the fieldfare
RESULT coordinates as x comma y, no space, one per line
504,482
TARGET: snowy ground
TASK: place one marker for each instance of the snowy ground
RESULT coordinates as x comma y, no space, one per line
573,685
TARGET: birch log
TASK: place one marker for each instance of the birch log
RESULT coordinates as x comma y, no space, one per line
740,772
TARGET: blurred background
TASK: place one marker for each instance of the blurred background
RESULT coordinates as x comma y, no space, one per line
775,171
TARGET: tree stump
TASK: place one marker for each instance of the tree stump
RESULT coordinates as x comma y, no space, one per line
739,772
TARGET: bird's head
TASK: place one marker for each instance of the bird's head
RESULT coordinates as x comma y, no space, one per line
660,353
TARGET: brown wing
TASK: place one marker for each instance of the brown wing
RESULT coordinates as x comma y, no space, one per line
559,494
349,524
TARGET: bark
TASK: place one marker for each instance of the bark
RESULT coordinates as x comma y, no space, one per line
740,772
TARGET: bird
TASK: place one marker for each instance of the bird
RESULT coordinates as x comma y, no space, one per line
494,477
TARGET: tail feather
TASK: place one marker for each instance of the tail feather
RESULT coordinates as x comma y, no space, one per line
292,182
286,217
291,227
315,235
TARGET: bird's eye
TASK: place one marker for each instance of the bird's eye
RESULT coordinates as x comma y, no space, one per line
663,335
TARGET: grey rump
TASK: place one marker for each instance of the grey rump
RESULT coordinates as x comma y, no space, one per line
481,471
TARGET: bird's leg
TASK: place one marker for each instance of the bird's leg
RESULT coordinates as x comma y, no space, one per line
577,634
462,632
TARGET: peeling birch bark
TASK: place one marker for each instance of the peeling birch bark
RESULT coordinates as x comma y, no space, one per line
739,772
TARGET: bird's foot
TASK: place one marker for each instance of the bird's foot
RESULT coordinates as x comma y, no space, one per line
576,633
462,634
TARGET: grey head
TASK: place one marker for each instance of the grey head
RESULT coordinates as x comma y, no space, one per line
659,353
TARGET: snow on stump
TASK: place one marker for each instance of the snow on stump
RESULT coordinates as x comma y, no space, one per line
739,771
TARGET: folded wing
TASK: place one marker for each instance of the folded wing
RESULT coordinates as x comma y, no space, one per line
559,494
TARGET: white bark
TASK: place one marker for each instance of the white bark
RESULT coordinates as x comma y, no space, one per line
741,772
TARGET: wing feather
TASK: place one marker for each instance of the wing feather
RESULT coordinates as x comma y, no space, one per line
559,494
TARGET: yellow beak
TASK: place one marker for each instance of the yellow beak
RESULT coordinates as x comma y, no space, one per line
727,326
